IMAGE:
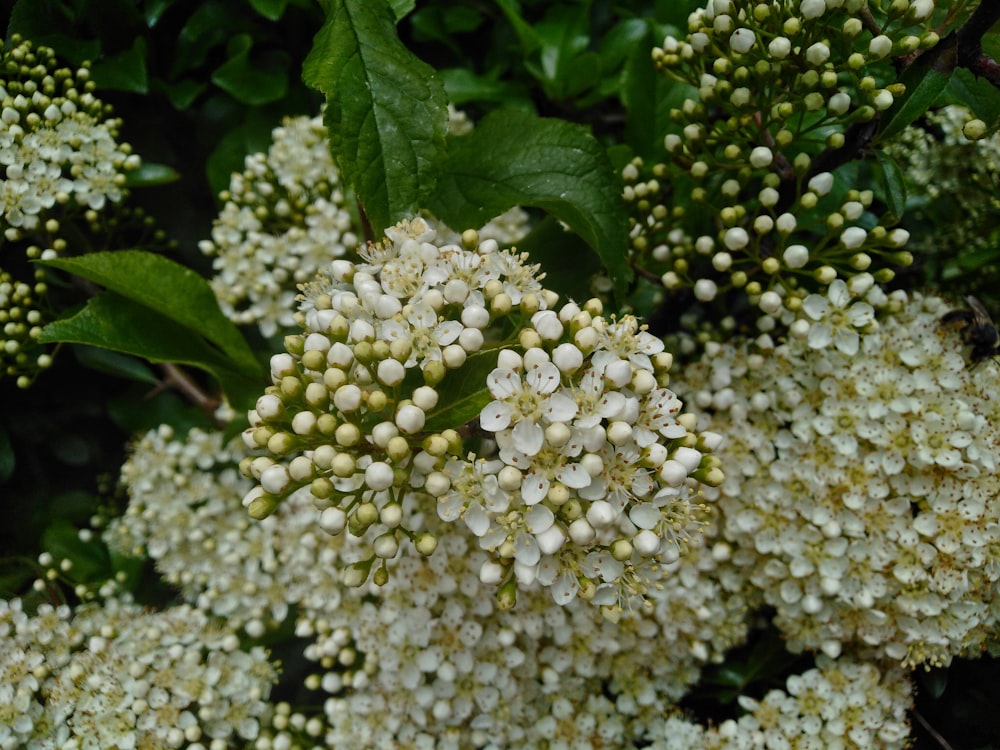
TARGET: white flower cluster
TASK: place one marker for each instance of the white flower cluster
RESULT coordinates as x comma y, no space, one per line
118,676
592,482
184,514
428,660
432,643
862,492
589,481
285,216
59,157
57,145
768,79
843,703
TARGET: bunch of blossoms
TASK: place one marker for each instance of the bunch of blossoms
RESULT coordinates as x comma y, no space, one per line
185,514
396,645
59,159
840,704
283,218
429,660
951,169
591,478
745,197
116,675
862,494
286,216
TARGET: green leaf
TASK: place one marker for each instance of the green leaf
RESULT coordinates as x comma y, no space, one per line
925,80
270,9
149,175
114,322
977,94
386,110
113,363
894,185
564,257
463,392
515,158
527,36
464,86
125,71
169,289
254,81
90,559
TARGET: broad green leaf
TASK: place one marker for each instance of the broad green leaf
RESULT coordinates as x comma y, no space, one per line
114,322
515,158
977,94
402,8
169,289
270,9
563,256
211,24
894,185
925,80
464,86
49,23
113,363
386,110
125,71
253,80
528,37
463,393
90,559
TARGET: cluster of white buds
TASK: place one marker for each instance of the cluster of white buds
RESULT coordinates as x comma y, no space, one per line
861,490
582,471
353,409
59,161
284,218
772,85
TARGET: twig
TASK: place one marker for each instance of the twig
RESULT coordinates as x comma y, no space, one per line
970,42
931,731
177,378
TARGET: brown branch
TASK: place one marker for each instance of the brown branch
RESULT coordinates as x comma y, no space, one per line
176,378
970,42
931,731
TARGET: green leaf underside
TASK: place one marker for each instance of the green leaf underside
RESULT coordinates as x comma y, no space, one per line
894,184
174,291
516,158
925,81
463,393
111,321
386,110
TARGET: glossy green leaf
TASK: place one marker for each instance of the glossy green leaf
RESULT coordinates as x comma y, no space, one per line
171,290
253,80
893,184
125,71
270,9
463,393
386,110
925,80
114,363
515,158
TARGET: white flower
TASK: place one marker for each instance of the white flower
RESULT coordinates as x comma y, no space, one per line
837,320
526,405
